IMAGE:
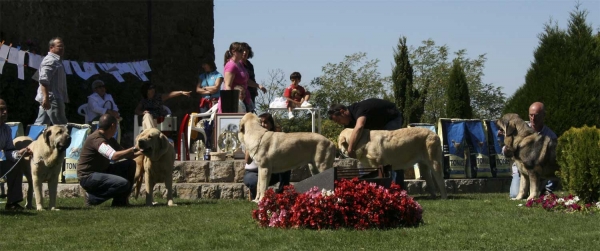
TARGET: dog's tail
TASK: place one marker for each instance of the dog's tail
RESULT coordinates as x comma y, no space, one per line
139,175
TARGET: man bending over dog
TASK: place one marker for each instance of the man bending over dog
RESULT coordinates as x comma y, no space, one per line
372,114
98,173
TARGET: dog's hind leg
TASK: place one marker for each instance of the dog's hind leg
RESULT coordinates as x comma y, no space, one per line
169,186
29,198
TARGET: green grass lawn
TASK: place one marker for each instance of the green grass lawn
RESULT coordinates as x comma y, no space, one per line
472,221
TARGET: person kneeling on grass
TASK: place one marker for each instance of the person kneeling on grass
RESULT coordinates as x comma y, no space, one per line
98,173
251,172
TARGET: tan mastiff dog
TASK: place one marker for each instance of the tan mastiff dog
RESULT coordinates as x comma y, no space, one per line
277,152
534,154
25,165
155,165
48,155
401,149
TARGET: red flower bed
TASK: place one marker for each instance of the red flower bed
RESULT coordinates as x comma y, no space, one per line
353,204
568,204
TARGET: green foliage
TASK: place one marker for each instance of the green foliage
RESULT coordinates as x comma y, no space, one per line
577,155
564,75
458,103
352,80
431,71
406,96
331,130
401,74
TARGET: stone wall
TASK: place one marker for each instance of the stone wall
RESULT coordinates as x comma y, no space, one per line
173,35
223,180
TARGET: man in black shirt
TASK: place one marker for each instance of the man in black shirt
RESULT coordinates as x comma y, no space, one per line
372,114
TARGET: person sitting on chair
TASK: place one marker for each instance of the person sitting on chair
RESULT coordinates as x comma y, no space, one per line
100,103
151,105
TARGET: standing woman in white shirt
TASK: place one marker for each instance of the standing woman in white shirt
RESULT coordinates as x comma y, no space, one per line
100,103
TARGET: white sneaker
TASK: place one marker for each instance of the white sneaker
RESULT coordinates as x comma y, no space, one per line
290,115
305,104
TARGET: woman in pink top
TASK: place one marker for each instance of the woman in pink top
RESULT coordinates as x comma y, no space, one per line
236,74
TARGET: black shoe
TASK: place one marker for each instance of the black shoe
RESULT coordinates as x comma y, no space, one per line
13,207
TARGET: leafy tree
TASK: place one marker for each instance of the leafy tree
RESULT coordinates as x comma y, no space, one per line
275,86
459,102
431,71
352,80
564,76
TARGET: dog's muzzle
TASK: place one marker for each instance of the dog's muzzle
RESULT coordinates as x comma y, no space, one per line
64,145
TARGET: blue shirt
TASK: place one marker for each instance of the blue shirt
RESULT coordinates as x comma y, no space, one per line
209,79
6,143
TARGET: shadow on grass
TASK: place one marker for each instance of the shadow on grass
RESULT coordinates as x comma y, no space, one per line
20,213
450,197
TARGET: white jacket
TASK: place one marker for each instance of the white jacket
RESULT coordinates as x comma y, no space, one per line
97,106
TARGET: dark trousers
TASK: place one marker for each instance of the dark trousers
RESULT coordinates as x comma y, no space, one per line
251,180
115,184
14,182
393,125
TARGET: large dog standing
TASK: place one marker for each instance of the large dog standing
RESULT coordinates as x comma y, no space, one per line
48,155
534,154
155,165
401,149
277,152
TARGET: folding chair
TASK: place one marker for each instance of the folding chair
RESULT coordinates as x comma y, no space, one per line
34,131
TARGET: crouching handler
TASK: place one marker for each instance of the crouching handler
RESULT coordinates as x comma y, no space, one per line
99,169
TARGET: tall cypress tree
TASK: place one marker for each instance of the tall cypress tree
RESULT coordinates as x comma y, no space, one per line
406,96
459,102
564,76
400,75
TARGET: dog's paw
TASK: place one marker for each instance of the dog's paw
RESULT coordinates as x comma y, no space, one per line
40,209
55,209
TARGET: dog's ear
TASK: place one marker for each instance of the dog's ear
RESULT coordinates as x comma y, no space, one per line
510,128
164,145
47,133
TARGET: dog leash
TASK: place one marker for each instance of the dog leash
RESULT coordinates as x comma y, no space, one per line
4,176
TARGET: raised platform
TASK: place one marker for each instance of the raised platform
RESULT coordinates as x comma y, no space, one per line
223,180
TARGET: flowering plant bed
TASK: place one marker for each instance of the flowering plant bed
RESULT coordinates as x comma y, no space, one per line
352,204
568,204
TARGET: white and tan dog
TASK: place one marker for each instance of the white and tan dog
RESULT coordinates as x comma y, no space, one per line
155,165
401,149
48,155
277,152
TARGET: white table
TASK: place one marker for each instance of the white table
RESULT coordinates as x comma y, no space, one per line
314,112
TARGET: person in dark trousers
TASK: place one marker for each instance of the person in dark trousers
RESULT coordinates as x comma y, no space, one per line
99,170
14,179
372,114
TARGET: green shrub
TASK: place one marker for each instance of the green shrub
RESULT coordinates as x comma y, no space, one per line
579,159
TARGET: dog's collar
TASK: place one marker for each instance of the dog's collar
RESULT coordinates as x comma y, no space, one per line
257,146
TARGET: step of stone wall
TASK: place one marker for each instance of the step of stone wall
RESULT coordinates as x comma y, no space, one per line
223,180
225,190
